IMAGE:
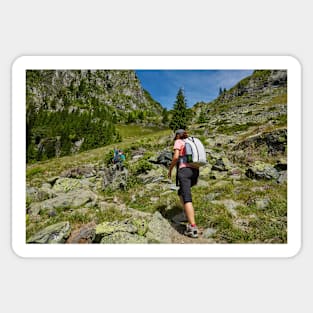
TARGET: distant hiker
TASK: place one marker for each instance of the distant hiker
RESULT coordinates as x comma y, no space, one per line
187,176
118,159
115,156
121,158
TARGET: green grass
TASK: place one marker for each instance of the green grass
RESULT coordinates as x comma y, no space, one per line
250,224
133,131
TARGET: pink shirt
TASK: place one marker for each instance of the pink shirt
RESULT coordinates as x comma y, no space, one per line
180,145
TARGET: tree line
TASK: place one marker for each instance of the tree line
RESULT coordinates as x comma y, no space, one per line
59,133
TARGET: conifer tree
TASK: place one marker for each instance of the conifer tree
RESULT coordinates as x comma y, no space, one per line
180,112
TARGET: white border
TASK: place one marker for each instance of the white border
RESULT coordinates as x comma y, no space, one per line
290,249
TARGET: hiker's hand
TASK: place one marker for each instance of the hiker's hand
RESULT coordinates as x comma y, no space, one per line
169,175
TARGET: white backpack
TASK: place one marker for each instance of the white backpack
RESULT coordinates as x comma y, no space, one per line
195,152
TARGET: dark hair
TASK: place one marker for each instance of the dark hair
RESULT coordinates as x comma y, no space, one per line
183,135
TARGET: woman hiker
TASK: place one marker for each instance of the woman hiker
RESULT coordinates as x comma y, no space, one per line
187,176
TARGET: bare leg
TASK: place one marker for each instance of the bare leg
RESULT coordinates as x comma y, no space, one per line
190,212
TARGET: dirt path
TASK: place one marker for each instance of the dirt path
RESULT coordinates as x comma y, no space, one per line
179,237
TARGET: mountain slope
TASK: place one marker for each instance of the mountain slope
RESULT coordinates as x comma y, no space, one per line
241,195
76,110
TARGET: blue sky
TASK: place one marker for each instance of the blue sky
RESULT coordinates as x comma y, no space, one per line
198,85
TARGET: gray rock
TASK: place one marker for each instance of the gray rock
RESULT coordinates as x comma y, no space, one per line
229,204
72,199
159,229
262,204
123,238
208,233
282,177
165,158
260,170
35,194
109,228
115,178
56,233
153,176
63,185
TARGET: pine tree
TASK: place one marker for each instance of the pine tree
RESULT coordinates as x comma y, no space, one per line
180,112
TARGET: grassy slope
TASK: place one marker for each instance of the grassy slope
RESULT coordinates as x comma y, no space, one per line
246,223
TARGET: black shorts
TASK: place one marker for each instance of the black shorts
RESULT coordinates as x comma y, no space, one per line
187,177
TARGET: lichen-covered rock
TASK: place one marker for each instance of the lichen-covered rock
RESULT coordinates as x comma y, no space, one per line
260,170
39,194
73,199
56,233
153,176
65,184
122,238
109,228
222,164
114,178
141,225
159,229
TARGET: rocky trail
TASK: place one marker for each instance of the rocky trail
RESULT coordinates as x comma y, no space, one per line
241,195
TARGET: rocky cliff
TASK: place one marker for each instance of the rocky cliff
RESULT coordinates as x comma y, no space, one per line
73,90
70,111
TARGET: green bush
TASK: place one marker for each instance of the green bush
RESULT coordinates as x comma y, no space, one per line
141,167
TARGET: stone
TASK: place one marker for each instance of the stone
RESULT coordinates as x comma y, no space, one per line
262,204
63,185
56,233
123,238
159,229
72,199
109,228
260,170
35,194
165,158
229,204
208,233
282,177
115,178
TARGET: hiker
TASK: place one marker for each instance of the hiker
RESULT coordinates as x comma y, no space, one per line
186,177
115,156
121,158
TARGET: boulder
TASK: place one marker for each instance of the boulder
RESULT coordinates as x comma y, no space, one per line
38,194
164,158
260,170
153,176
159,229
109,228
56,233
73,199
63,185
123,238
115,178
222,164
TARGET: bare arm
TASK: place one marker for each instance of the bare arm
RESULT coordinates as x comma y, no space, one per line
174,161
